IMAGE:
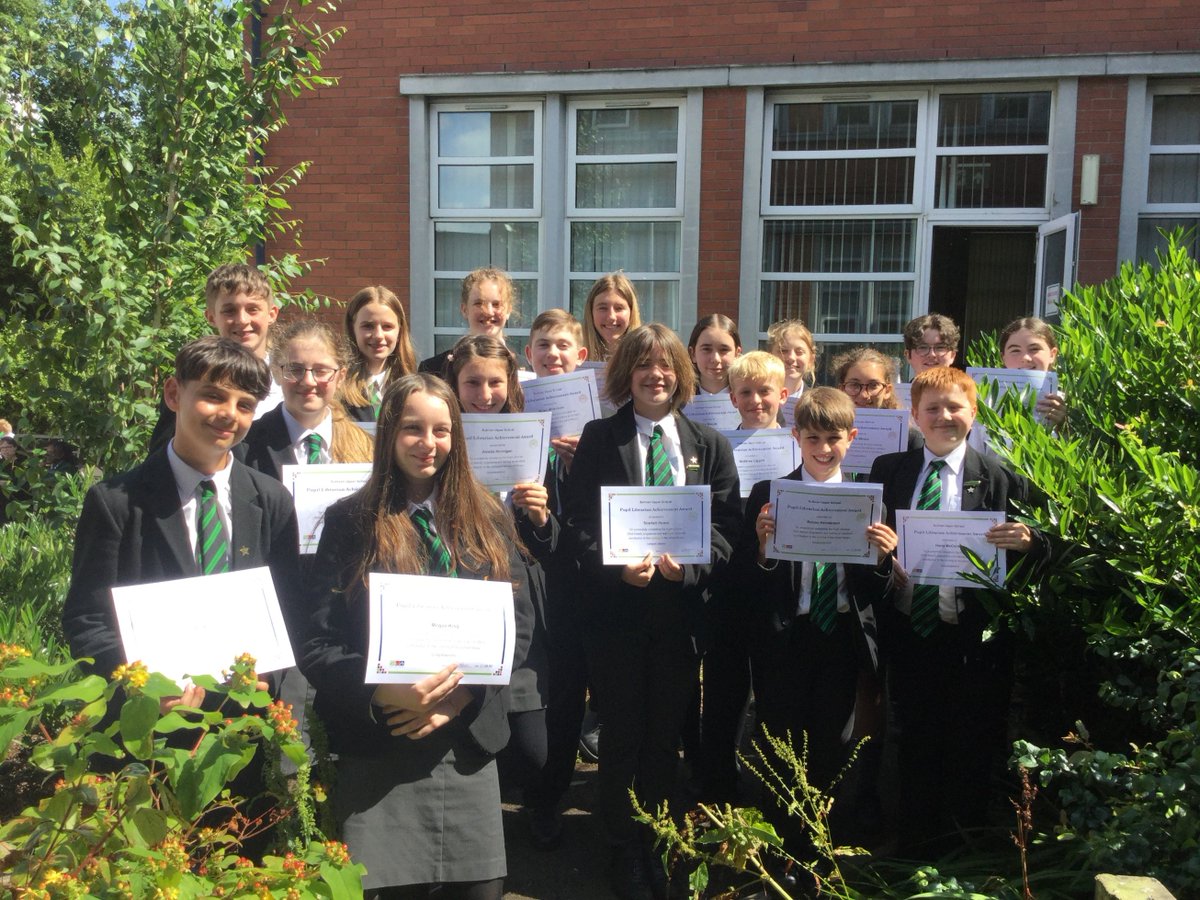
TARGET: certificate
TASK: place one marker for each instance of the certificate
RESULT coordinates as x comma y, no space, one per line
1023,380
787,411
823,521
369,427
714,410
419,625
880,431
932,542
903,391
238,613
656,520
762,454
314,488
507,448
572,400
600,370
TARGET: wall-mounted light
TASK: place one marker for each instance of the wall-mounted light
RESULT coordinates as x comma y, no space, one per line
1089,180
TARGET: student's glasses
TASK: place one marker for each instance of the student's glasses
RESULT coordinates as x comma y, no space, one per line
854,388
296,372
931,349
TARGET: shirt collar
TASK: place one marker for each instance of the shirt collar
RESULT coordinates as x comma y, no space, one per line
188,479
670,428
297,432
954,459
804,476
429,503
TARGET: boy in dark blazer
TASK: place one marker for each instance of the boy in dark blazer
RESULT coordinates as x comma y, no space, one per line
950,685
142,526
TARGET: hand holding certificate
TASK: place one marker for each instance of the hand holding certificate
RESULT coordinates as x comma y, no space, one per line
507,448
823,521
656,521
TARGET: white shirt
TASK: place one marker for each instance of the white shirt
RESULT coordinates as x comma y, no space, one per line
298,433
700,391
187,482
804,602
952,487
670,442
274,395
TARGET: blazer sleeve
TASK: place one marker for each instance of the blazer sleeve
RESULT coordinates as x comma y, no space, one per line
721,476
88,619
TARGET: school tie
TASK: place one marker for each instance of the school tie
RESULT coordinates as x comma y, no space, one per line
553,460
823,609
312,447
212,544
925,596
437,557
376,398
658,467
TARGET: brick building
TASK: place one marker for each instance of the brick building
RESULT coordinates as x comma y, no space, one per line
851,162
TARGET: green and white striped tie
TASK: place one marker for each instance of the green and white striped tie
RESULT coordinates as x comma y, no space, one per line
823,609
312,449
658,467
924,614
437,557
212,543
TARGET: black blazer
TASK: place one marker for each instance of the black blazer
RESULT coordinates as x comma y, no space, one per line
333,655
436,364
132,531
268,445
769,595
608,455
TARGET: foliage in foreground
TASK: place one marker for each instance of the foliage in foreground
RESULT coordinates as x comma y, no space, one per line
165,823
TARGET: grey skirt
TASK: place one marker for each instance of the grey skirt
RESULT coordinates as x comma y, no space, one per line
426,813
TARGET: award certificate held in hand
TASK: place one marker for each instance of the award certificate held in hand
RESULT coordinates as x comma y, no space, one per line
636,521
932,542
823,521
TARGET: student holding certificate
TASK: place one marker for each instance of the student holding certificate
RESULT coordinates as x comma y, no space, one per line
1029,343
648,618
418,796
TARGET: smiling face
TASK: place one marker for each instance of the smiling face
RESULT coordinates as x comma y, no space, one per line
423,442
242,317
308,400
867,385
1026,350
210,419
483,385
653,385
797,358
486,310
823,451
554,351
945,416
712,354
757,401
376,332
610,316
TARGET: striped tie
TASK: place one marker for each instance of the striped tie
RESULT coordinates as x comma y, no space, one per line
925,615
312,447
823,610
376,398
658,467
212,544
437,557
553,458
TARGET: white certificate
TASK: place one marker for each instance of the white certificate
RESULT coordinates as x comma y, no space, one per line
1022,380
200,625
421,624
762,454
714,410
369,427
904,394
507,448
931,543
787,410
824,522
571,400
600,371
880,431
314,488
656,520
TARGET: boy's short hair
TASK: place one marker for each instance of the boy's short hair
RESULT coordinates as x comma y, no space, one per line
557,320
914,331
758,364
237,278
222,361
635,346
824,409
943,378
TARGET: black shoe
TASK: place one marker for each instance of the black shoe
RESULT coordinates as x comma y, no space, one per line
627,873
545,827
589,745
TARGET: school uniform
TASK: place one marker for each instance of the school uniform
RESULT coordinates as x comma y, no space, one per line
414,811
133,530
645,642
277,440
436,364
950,689
373,385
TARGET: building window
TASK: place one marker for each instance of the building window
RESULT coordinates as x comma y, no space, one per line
1172,198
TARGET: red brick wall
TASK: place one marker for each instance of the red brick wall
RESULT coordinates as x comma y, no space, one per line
1100,129
721,163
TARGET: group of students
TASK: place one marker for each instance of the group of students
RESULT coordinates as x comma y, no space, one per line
418,790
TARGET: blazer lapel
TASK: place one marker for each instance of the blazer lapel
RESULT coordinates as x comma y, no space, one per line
246,545
694,449
625,434
974,483
906,479
164,519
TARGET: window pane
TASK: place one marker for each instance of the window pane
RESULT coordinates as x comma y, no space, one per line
994,120
625,186
447,305
987,182
842,182
838,307
1150,240
1174,178
605,132
845,126
485,187
463,246
485,133
601,247
839,246
1176,120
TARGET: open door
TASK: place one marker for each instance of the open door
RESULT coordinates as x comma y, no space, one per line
1057,249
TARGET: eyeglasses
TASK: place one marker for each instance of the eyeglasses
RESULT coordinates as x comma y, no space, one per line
320,374
932,349
854,388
